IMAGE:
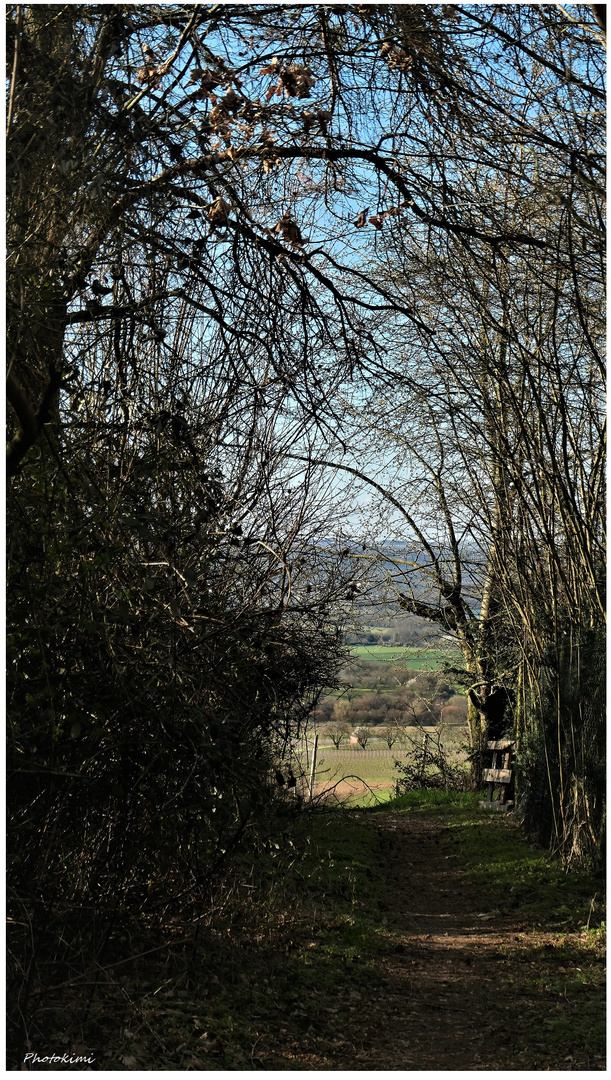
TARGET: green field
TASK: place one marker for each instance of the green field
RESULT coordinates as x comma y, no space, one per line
357,776
350,773
375,767
419,658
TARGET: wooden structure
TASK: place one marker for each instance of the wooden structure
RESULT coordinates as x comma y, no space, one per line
500,775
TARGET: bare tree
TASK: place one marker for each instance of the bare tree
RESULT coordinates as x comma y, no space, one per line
337,733
363,735
488,402
391,734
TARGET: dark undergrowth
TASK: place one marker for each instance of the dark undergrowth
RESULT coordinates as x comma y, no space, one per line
220,991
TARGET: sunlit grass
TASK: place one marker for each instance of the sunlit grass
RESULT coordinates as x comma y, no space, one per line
419,658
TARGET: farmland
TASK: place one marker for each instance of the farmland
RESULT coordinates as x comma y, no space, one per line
394,684
362,776
368,776
418,658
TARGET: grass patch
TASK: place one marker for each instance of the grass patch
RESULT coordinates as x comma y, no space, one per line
375,768
564,973
431,799
419,659
523,877
554,966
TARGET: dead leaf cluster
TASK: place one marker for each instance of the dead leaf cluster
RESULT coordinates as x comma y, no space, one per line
288,227
267,147
396,56
151,75
207,78
377,219
223,109
316,117
293,79
218,213
290,230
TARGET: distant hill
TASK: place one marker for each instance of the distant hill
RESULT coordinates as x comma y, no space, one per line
396,630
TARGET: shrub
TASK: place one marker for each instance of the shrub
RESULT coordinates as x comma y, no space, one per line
427,766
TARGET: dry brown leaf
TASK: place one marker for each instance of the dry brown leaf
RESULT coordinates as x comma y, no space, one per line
272,67
231,101
218,213
290,230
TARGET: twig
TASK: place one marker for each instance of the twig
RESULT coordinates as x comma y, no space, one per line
591,911
11,101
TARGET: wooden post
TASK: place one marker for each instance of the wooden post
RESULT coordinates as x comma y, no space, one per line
505,787
424,757
500,774
313,768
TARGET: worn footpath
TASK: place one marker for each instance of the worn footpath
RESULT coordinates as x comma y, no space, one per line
457,990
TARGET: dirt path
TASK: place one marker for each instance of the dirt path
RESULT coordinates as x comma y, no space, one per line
443,1009
444,1001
